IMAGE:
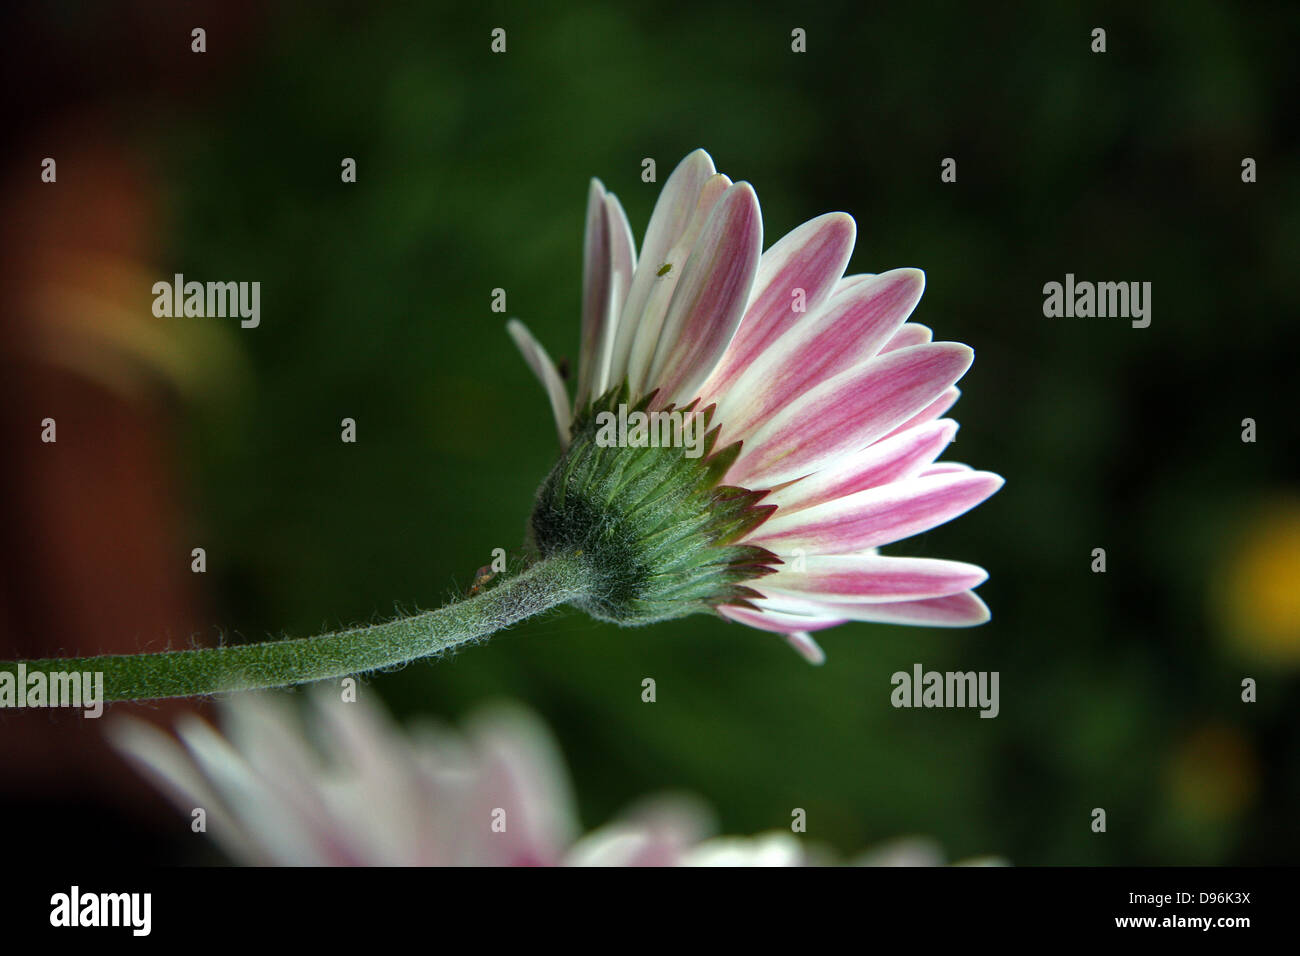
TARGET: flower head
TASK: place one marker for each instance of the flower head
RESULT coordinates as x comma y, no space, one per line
822,406
339,784
347,787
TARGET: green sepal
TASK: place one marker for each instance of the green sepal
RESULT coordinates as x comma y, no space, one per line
655,528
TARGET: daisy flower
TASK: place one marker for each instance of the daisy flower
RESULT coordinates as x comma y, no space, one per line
749,429
346,787
339,784
824,408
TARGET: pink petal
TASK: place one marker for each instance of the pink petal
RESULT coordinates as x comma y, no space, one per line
955,610
544,369
803,642
811,257
650,320
871,578
847,412
876,516
779,622
845,332
521,770
595,289
946,400
891,459
607,275
710,297
963,609
672,214
910,334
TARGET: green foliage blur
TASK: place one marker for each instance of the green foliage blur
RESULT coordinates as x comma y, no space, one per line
1119,690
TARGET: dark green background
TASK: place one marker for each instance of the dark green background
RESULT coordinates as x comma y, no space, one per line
472,175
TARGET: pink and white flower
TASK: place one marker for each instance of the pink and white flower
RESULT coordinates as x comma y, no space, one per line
346,787
836,398
339,784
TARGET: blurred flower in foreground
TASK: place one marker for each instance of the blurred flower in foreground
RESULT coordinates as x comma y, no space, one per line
1259,587
820,399
918,851
347,787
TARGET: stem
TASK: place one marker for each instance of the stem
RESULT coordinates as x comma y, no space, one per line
547,584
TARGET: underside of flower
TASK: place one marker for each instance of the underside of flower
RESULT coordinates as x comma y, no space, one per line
651,519
826,404
807,411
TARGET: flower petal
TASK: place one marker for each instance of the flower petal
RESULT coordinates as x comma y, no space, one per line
766,849
170,768
810,650
913,333
963,609
906,851
381,811
846,331
955,610
872,578
596,325
876,516
282,819
609,261
672,215
544,369
521,770
946,400
655,834
905,455
650,320
811,257
770,617
849,411
710,297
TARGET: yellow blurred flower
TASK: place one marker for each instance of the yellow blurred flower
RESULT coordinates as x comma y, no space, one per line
1259,592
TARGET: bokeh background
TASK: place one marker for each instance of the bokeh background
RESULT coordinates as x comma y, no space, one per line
1119,690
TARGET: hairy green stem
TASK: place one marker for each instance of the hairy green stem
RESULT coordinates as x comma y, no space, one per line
548,583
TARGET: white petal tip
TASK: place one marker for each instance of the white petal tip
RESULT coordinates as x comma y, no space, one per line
917,275
980,613
808,649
